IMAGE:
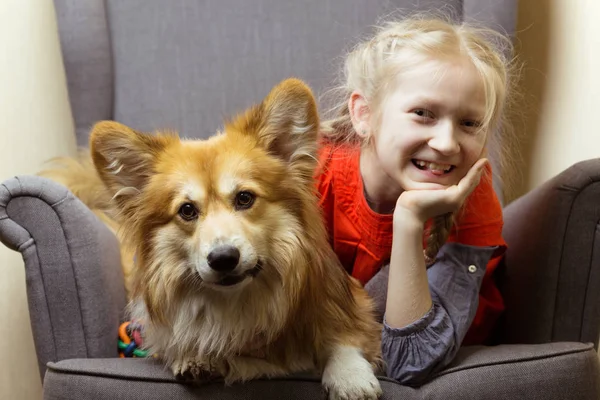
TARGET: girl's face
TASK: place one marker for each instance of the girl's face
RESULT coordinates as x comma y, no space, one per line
428,136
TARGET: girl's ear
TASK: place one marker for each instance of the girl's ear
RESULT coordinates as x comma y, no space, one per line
360,114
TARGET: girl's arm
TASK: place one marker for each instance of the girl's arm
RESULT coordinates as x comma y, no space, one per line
409,299
415,351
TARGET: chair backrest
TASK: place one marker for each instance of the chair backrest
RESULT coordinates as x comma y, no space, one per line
185,65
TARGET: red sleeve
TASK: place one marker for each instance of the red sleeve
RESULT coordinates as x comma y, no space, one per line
480,224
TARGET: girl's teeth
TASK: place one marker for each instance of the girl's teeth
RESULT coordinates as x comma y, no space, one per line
433,166
438,167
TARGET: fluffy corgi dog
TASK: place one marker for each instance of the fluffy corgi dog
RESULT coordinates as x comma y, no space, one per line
234,275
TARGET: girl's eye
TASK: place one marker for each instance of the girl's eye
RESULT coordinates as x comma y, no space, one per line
423,114
471,124
244,200
188,211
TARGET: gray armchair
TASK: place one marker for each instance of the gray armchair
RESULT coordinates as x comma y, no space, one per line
186,65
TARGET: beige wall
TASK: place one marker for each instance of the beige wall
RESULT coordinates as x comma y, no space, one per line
559,41
36,119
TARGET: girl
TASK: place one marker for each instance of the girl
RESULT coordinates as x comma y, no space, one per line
405,185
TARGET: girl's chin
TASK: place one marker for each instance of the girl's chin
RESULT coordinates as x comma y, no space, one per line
426,186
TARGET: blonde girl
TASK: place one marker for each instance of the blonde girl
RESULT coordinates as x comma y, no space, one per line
406,188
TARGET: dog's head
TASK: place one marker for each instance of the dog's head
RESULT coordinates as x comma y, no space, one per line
220,213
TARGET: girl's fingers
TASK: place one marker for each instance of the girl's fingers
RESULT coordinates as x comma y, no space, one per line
429,203
471,180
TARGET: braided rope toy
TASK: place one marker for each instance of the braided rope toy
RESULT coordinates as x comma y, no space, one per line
130,340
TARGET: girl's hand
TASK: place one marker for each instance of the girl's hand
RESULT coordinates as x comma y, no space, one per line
426,204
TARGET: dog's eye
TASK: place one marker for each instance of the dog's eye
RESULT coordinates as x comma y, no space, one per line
244,200
188,212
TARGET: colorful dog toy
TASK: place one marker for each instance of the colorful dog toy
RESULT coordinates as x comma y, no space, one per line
130,340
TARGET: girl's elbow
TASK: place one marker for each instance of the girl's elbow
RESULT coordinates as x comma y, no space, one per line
416,366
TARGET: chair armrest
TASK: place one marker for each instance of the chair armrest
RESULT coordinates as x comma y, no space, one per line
75,288
551,280
553,371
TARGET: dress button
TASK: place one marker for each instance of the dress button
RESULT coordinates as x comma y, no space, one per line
472,269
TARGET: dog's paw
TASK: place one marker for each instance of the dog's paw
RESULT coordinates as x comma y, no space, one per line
192,370
353,387
348,376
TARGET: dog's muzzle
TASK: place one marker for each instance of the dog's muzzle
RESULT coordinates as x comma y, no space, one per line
224,260
234,279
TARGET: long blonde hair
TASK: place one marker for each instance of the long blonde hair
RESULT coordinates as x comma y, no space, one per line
373,66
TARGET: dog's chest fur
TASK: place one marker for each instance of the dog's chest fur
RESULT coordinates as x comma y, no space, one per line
220,330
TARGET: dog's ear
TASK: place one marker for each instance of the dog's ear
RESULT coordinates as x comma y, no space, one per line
124,158
286,124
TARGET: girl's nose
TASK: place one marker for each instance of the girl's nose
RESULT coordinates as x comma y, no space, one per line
444,139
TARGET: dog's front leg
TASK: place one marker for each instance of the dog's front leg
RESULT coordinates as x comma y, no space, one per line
197,369
349,376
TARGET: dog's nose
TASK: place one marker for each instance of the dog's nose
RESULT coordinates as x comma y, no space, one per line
223,258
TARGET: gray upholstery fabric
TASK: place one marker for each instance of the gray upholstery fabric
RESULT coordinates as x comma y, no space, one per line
74,282
546,371
552,371
187,65
551,283
499,15
86,50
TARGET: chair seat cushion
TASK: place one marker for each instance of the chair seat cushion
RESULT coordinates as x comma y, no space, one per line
549,371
